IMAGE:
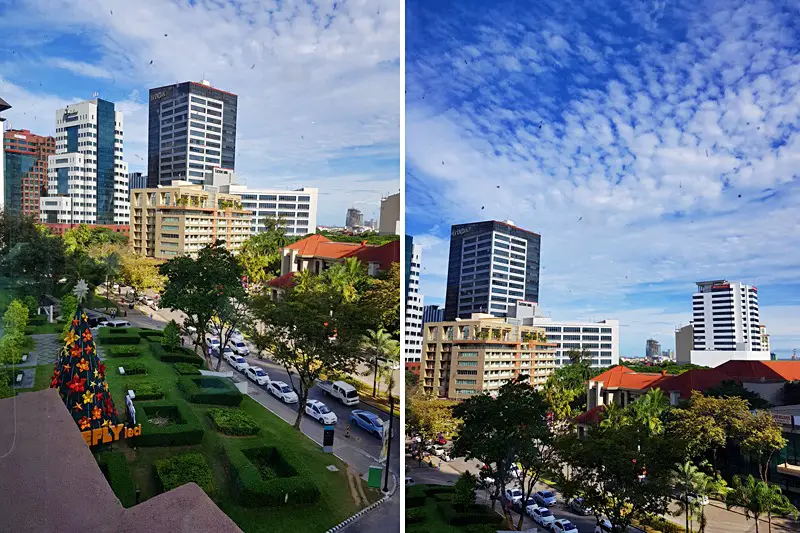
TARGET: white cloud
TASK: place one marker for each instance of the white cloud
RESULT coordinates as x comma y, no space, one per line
81,68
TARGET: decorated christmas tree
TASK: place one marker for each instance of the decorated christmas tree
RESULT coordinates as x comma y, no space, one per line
79,375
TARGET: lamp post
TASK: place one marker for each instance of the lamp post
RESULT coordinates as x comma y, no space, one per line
389,446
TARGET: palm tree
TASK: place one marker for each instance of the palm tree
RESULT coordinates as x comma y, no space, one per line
687,478
648,409
757,498
378,343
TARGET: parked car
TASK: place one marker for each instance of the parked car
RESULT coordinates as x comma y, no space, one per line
240,348
369,422
320,412
577,506
513,495
545,498
213,343
562,525
237,336
522,506
603,526
257,374
236,361
190,330
344,392
543,517
441,439
692,497
410,481
118,324
282,391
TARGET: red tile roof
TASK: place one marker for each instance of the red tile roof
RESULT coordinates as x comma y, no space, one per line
700,379
758,370
282,282
622,377
383,255
320,246
592,416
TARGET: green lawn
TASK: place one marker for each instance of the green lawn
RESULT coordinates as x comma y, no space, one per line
335,504
434,522
56,327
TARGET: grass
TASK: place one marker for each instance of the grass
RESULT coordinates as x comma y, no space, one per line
435,523
42,379
335,504
56,327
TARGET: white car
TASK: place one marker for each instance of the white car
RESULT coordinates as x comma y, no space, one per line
410,481
237,336
190,330
227,352
213,343
692,497
240,348
563,525
604,526
237,362
320,412
257,374
282,391
543,517
513,495
530,508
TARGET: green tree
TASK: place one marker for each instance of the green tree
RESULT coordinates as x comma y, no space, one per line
32,304
31,252
231,315
687,480
381,301
648,410
172,336
260,255
565,389
464,494
371,238
108,256
377,344
348,278
706,424
15,319
140,273
309,331
203,288
760,437
68,306
731,388
83,237
412,379
428,417
757,498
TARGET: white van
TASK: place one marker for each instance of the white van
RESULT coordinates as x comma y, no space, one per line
117,324
344,392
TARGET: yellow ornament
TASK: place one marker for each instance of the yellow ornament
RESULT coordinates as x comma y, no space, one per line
70,338
87,398
96,373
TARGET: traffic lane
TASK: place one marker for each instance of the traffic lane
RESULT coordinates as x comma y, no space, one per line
585,524
359,438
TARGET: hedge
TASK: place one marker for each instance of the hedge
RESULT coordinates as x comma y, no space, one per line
151,334
186,369
255,491
415,516
661,524
119,339
233,422
430,490
473,514
118,331
210,390
187,432
182,355
134,368
415,496
124,350
146,390
115,467
181,469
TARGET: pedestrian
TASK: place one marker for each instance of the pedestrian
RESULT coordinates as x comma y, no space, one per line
151,316
182,340
440,464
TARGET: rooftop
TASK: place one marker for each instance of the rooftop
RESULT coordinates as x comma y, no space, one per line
622,377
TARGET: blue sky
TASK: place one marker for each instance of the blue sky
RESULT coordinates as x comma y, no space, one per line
318,82
651,144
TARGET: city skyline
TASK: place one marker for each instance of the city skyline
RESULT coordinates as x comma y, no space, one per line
650,149
310,115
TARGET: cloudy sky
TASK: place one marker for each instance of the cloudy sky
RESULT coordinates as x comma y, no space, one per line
651,144
318,82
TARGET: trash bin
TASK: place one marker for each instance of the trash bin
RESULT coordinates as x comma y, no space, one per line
374,477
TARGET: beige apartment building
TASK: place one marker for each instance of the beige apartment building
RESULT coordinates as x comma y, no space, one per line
169,221
470,356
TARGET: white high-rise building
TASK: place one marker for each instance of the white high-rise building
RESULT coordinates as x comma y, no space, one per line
726,323
599,339
87,178
414,305
296,208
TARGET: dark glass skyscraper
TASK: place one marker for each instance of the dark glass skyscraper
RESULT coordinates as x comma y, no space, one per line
191,130
492,264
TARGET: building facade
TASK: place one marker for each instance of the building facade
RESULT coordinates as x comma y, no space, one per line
26,156
725,316
684,341
653,349
137,180
765,346
432,313
4,106
467,357
389,222
297,209
191,131
412,325
492,265
183,218
354,219
87,176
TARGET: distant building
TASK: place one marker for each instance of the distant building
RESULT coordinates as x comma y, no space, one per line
4,106
414,304
354,218
191,131
89,157
765,346
390,215
180,219
26,156
492,265
371,224
137,180
668,354
297,209
684,341
432,313
653,349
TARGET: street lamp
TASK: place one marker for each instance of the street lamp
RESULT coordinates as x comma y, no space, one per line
389,446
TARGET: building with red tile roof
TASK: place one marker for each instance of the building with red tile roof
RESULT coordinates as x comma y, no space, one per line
620,385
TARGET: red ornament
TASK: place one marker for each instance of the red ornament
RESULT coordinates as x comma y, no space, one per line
77,384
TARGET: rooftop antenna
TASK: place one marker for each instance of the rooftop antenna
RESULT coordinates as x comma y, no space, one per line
95,94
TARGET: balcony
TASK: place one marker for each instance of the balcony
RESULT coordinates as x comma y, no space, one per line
789,469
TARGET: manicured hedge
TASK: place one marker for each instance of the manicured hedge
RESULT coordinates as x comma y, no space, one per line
415,496
124,350
430,490
187,432
210,390
115,467
255,491
233,422
473,514
37,320
120,331
119,339
151,334
415,516
145,390
134,368
181,355
186,369
181,469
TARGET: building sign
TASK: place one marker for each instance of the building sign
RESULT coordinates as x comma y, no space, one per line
21,137
159,95
327,439
461,231
784,420
108,434
70,116
725,286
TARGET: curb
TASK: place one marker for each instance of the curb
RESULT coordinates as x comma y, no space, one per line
365,510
